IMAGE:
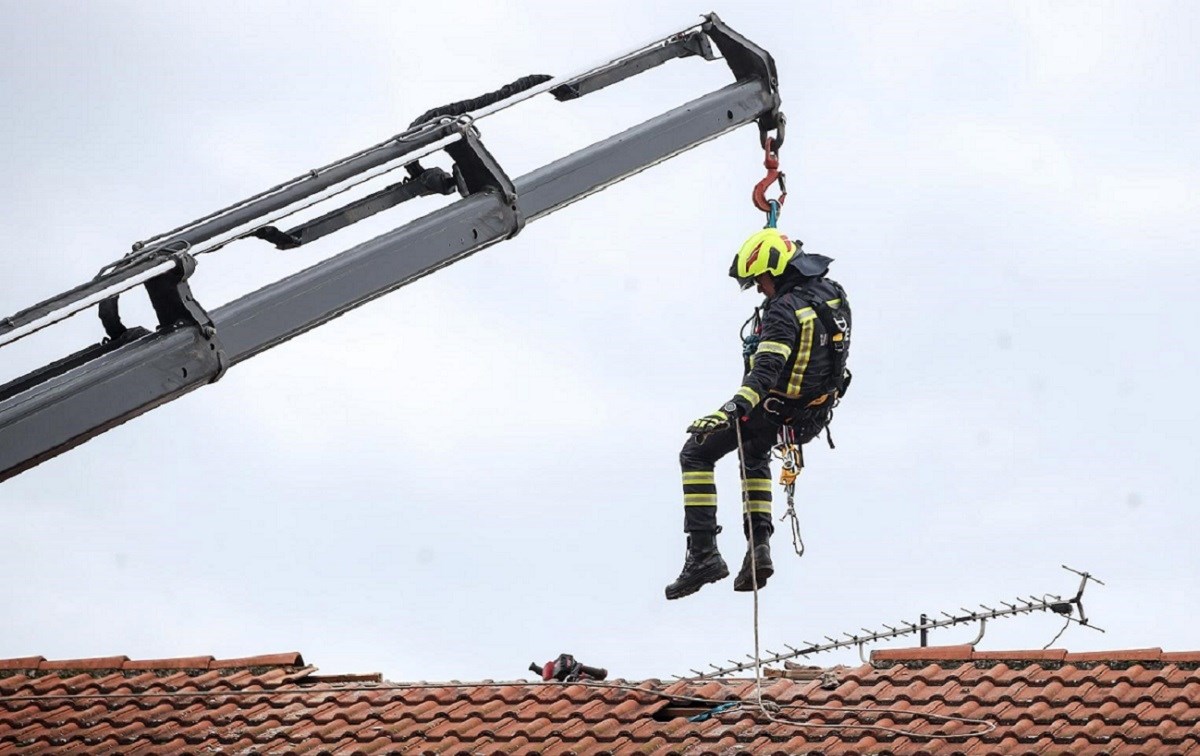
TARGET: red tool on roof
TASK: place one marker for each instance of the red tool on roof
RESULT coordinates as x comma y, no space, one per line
566,669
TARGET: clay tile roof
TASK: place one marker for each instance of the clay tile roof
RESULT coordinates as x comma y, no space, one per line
1141,701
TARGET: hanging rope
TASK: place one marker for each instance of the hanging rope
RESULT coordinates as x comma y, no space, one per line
737,425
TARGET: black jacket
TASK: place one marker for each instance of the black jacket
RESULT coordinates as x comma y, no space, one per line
795,359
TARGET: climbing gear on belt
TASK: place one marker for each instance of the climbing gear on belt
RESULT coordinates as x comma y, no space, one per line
791,456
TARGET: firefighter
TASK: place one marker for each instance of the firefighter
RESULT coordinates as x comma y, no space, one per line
795,372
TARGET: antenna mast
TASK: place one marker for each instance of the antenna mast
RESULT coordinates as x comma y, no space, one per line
1048,603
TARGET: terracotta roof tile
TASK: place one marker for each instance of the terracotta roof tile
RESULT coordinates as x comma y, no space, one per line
190,662
1140,654
1050,654
923,654
1137,701
27,662
292,659
103,662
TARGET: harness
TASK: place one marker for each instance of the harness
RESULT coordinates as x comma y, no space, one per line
812,413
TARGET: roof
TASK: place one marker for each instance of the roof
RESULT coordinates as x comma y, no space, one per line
987,702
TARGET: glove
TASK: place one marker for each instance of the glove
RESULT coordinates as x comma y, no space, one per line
709,423
719,419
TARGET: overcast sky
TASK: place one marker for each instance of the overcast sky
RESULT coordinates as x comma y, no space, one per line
480,470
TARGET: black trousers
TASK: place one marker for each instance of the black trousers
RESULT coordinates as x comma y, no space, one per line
698,458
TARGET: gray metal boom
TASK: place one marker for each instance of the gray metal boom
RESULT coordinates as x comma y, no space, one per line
74,399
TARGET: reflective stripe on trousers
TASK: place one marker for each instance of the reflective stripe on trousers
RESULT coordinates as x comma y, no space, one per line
698,458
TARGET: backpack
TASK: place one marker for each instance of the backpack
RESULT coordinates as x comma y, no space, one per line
810,418
837,321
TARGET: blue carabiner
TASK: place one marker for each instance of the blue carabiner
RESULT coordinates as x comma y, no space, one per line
772,214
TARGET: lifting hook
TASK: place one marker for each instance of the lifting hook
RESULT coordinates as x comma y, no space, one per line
771,163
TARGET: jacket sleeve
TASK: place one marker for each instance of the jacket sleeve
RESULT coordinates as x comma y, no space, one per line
778,338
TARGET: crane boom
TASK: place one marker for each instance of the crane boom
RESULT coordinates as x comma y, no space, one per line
64,404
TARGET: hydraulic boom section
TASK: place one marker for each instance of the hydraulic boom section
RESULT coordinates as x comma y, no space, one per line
133,370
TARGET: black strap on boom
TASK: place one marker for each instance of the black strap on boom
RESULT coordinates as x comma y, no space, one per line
424,183
482,101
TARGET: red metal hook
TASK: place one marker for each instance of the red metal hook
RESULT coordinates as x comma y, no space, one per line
771,163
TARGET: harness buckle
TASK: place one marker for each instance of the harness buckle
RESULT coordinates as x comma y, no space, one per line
766,405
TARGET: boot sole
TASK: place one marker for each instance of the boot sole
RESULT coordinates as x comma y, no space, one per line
764,572
710,576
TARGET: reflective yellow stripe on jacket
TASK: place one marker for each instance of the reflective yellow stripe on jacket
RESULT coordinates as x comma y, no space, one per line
775,347
749,395
808,320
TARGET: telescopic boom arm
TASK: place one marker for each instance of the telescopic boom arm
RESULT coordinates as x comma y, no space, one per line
133,370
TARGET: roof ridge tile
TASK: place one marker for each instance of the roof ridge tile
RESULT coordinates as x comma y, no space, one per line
41,663
96,662
1123,655
177,662
1041,654
290,659
962,652
25,662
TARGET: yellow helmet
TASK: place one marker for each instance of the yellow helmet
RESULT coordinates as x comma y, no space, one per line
766,251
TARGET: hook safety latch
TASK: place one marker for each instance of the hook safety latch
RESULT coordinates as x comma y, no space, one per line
771,163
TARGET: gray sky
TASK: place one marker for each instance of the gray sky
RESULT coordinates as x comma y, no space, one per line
480,470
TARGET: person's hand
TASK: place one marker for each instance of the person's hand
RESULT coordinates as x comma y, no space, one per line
709,423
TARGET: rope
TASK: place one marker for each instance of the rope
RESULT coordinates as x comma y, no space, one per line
770,709
737,425
987,726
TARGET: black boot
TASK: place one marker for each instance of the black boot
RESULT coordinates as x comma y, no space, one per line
760,566
702,565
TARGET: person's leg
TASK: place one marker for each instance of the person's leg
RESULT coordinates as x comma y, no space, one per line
758,437
703,563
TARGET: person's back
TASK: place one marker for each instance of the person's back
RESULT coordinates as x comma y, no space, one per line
815,374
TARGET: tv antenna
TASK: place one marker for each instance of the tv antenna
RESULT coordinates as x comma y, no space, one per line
1047,603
